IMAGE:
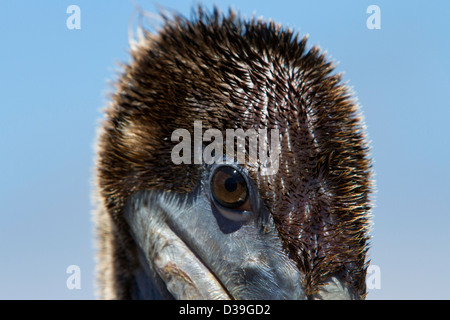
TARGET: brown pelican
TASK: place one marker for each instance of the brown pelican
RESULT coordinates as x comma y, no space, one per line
226,230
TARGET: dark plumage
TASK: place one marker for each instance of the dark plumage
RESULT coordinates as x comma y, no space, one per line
231,73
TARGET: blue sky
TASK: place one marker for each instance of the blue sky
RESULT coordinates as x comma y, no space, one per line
55,81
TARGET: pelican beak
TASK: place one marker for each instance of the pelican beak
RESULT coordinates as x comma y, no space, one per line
200,255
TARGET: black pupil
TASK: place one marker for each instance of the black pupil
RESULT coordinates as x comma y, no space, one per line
231,184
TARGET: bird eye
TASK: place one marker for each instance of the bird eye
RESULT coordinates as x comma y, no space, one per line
229,188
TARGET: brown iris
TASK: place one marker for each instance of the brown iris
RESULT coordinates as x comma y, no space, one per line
229,187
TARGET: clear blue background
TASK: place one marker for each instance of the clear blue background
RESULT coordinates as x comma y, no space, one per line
54,83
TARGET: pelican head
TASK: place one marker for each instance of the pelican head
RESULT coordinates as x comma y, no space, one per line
181,216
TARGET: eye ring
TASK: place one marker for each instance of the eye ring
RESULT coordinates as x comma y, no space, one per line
229,187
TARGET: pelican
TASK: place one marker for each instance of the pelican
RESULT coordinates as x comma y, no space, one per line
227,229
